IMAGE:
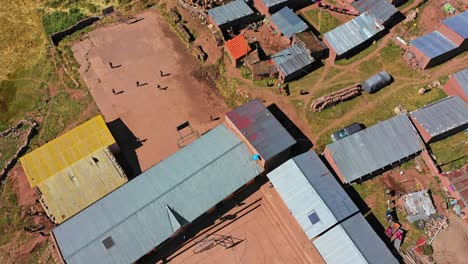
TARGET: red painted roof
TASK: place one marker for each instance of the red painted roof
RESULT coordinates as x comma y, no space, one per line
238,46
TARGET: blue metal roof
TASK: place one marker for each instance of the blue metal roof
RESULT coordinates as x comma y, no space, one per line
288,22
353,33
462,79
376,147
458,23
353,241
270,3
148,209
230,12
292,59
381,10
306,185
442,116
261,129
433,44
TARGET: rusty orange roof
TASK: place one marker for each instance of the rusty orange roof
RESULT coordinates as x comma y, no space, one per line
238,46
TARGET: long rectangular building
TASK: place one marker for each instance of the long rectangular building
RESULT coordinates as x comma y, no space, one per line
140,215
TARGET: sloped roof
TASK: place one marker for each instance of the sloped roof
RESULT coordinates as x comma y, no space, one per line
442,116
462,79
306,185
353,33
381,10
418,206
353,241
261,129
288,22
270,3
230,12
136,215
238,46
312,42
66,149
433,44
293,59
377,82
376,147
458,23
81,184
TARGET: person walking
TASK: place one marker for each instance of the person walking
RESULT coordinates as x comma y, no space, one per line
113,91
137,83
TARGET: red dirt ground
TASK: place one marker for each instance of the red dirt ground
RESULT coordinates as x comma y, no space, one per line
143,49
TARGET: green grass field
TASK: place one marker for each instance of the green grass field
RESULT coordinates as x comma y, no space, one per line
452,152
322,20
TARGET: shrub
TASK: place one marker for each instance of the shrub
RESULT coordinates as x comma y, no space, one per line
60,20
427,250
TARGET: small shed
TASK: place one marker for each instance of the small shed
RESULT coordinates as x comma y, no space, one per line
377,82
293,62
234,15
287,22
441,119
237,49
268,7
418,206
457,85
455,28
318,50
431,49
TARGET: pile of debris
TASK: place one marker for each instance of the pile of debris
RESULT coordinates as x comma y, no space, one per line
411,16
335,98
411,59
434,225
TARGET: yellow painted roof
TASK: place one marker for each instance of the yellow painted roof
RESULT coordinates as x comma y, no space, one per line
65,150
81,184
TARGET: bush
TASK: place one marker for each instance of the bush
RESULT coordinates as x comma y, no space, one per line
91,7
427,250
59,20
124,2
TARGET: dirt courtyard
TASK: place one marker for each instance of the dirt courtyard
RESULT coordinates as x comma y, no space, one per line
138,52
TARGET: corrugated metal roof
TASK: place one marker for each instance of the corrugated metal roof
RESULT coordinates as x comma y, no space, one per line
377,82
261,129
307,186
381,10
458,23
230,12
66,149
462,79
353,33
418,205
353,241
81,184
433,44
136,215
238,46
288,22
376,147
293,59
442,116
270,3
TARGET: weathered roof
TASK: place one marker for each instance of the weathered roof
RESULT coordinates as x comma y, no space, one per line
462,79
270,3
288,22
442,116
81,184
433,44
381,10
353,241
66,149
230,12
418,206
312,42
261,129
459,182
458,23
293,59
141,214
238,46
353,33
306,186
376,82
376,147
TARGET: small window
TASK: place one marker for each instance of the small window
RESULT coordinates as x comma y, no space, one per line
108,242
313,217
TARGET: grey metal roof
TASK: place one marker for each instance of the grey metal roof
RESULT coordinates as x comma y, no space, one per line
442,116
377,82
381,10
293,59
433,44
270,3
288,22
353,33
261,129
458,23
462,79
306,185
230,12
145,212
353,241
418,206
376,147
